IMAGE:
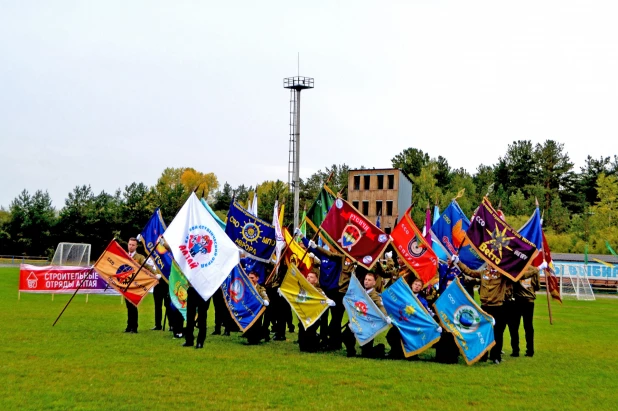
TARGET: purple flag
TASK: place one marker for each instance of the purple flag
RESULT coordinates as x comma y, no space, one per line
498,243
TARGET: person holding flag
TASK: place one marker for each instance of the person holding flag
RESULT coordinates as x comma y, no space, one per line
493,290
196,305
132,313
524,294
256,333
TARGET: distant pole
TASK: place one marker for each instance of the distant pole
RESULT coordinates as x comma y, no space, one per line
297,161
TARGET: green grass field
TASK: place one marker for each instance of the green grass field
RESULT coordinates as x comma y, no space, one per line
87,362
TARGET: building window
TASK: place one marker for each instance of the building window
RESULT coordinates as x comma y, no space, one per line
379,207
389,207
380,182
355,204
366,208
356,182
367,179
391,181
387,230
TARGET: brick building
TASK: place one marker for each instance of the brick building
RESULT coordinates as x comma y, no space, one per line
386,192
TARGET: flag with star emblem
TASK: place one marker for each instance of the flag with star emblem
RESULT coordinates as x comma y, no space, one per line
503,248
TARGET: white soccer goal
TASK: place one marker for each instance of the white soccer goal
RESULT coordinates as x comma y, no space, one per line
575,284
77,254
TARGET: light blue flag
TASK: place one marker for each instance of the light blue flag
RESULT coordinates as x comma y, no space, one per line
435,245
532,229
461,316
366,319
419,331
213,214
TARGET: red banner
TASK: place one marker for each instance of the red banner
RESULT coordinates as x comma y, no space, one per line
356,236
61,279
414,249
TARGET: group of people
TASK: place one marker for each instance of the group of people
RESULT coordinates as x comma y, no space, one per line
505,300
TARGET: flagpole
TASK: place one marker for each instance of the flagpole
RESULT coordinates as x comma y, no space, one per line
139,269
76,290
551,321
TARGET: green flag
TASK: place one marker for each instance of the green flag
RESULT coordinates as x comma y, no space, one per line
611,250
586,254
178,289
303,226
318,210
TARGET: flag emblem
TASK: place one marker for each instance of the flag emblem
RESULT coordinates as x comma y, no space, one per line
180,291
361,307
123,273
200,248
466,319
237,290
251,232
350,236
415,249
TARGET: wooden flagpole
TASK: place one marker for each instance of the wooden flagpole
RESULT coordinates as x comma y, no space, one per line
71,299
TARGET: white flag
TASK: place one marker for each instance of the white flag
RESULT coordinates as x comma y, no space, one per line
278,232
253,205
205,254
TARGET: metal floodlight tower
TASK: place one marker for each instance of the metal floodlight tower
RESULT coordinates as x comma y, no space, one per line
296,85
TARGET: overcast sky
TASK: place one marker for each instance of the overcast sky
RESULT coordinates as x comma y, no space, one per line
111,92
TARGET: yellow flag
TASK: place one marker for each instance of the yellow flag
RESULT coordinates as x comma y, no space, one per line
295,252
306,301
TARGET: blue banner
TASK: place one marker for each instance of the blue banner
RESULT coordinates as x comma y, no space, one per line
532,230
366,319
419,331
213,214
449,232
242,299
151,238
461,316
435,245
254,236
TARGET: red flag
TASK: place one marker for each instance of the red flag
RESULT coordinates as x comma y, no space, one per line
356,236
551,281
415,251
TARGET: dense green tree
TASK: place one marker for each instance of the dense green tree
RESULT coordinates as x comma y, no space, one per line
411,161
136,207
223,198
31,221
554,169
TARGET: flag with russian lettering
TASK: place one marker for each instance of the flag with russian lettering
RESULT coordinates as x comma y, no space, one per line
179,286
204,253
419,331
151,239
449,232
461,316
117,269
242,299
414,249
499,244
365,318
306,301
251,234
354,234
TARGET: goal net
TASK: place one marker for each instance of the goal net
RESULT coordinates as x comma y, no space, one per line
574,283
77,254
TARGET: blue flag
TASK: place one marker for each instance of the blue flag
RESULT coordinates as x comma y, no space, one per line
213,214
151,238
419,331
366,319
532,230
242,299
378,221
449,233
461,316
254,236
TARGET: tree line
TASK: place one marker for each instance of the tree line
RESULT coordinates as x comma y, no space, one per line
579,207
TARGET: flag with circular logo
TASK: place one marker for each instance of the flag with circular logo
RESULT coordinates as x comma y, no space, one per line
461,316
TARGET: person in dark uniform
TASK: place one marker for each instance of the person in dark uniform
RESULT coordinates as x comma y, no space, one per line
256,333
196,304
522,306
161,296
132,313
